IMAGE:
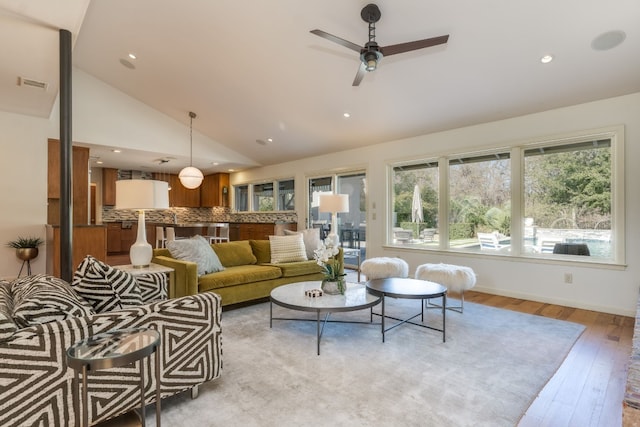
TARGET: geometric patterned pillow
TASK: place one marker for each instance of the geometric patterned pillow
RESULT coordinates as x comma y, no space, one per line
7,325
43,299
104,287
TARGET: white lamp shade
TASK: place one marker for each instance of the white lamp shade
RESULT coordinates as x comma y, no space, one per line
142,194
191,177
334,203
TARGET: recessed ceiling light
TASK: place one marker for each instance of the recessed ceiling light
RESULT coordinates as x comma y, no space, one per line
269,139
116,150
346,115
231,170
132,56
608,40
215,163
546,59
99,162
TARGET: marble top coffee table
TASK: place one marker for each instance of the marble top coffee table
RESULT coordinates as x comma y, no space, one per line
293,297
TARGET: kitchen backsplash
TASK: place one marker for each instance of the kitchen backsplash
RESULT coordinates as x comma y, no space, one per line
182,215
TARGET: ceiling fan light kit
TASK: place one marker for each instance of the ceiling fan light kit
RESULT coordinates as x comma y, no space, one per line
372,53
191,177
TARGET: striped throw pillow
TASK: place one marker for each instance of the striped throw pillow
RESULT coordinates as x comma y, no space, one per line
287,249
106,288
43,299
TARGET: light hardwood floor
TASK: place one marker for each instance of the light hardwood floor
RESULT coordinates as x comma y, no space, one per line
588,389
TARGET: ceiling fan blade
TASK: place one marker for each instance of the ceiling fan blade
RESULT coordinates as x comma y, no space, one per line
359,75
336,39
414,45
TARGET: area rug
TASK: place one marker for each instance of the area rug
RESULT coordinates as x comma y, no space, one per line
491,367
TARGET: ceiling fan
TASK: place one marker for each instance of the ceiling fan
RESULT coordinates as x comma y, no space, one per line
372,53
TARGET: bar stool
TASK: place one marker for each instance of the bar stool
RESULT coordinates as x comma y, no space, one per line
160,239
171,234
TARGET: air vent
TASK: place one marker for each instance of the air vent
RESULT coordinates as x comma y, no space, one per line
33,83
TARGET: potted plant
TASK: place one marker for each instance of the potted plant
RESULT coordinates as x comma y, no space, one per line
26,247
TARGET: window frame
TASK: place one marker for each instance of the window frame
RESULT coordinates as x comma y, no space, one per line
251,208
516,151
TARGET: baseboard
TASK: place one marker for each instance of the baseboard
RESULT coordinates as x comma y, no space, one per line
556,301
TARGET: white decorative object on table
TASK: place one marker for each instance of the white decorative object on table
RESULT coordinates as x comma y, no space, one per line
141,195
325,256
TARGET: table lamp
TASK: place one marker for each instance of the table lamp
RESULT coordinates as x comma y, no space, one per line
141,195
334,203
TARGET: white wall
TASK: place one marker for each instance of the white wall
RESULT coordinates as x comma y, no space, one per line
23,187
608,289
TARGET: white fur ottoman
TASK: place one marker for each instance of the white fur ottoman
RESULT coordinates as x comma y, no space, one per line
454,277
383,267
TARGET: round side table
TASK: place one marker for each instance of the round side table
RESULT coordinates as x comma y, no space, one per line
111,350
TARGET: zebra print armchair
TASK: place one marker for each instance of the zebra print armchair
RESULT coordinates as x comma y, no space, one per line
36,385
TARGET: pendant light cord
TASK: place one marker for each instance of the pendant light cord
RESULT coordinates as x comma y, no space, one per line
192,116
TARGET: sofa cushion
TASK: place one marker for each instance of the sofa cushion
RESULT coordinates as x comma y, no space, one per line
196,249
262,250
43,299
235,253
7,325
287,249
311,238
238,275
300,268
106,288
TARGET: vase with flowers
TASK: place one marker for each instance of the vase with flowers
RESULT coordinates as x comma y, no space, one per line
334,280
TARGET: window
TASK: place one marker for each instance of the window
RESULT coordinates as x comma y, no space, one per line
479,199
263,197
319,219
266,196
241,198
286,195
556,199
415,204
567,199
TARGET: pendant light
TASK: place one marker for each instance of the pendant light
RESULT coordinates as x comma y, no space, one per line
191,177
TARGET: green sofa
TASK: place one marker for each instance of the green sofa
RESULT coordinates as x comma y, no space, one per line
248,273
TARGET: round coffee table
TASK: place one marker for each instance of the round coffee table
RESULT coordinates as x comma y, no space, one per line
293,296
397,287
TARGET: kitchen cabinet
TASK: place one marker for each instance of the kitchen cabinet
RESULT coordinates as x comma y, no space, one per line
258,230
214,190
80,182
109,178
87,239
179,196
121,235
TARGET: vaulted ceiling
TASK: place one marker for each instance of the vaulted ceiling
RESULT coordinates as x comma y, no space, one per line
253,71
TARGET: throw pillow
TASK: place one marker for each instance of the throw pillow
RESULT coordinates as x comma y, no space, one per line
236,253
287,249
106,288
311,238
43,299
198,250
262,251
7,325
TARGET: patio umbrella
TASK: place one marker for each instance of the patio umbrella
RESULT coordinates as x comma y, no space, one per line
416,208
